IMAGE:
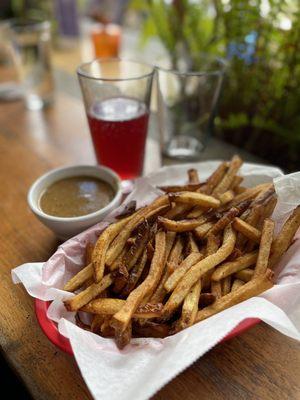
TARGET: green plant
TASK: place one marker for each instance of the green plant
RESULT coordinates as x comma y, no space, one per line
261,40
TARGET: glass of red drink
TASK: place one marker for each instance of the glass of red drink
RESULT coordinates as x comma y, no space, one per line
117,96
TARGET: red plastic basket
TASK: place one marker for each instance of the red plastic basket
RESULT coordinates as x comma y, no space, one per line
51,331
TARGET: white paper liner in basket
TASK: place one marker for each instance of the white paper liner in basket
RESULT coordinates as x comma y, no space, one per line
145,365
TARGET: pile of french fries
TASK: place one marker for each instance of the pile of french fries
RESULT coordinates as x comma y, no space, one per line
193,252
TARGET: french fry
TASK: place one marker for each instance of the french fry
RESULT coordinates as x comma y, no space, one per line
196,212
253,288
264,247
198,270
191,187
248,194
180,271
216,289
193,176
157,207
244,275
191,245
97,321
212,245
88,253
135,274
190,307
178,211
84,297
123,337
226,197
247,230
79,279
215,178
103,242
173,256
228,217
230,267
110,306
122,318
237,283
237,180
182,225
228,178
121,279
195,199
201,231
226,285
284,239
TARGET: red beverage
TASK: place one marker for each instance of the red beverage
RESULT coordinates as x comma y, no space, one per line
119,129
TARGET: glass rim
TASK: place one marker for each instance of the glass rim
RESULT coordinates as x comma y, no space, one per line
220,71
28,24
84,74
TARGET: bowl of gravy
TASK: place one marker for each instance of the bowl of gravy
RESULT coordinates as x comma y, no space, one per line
69,200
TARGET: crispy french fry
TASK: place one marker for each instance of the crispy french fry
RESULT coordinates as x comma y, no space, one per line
201,231
247,230
180,271
123,337
191,245
212,245
79,279
215,178
190,307
248,194
240,190
230,267
284,239
191,187
145,233
193,176
198,270
226,197
228,178
228,217
122,318
84,297
264,247
253,288
110,306
245,274
237,283
88,253
97,321
135,274
206,299
182,225
196,212
157,207
102,244
216,289
121,279
178,211
195,199
226,285
237,180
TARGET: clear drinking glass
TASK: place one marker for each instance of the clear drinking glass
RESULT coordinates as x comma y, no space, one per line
117,95
31,43
187,104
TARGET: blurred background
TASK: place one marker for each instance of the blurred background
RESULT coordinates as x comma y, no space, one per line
259,105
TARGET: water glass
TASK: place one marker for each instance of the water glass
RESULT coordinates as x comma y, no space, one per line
30,40
116,96
187,103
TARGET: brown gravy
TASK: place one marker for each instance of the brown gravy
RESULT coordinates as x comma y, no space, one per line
76,196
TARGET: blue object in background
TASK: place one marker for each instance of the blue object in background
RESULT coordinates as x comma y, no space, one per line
67,17
244,51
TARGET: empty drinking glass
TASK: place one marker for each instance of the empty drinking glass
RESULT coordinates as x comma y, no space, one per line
186,107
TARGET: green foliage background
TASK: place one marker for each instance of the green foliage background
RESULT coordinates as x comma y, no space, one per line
261,98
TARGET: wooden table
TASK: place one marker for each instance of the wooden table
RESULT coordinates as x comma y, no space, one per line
260,364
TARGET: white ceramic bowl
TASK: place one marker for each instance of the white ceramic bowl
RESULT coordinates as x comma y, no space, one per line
64,228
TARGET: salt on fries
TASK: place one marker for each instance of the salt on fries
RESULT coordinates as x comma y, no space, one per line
198,249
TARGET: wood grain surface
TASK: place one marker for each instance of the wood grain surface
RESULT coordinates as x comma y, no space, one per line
260,364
